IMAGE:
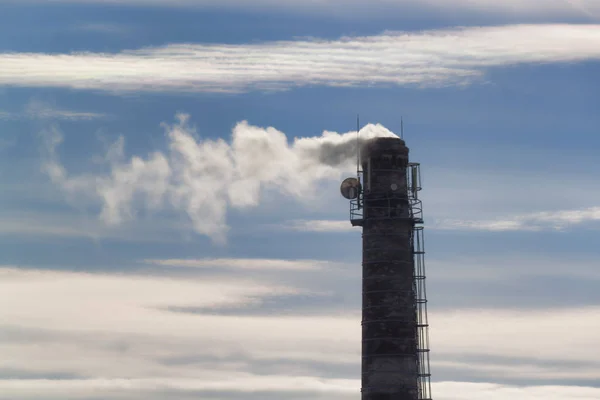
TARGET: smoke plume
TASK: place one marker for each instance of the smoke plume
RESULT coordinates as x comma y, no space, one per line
205,177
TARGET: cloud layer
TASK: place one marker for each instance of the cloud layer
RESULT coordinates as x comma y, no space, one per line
126,336
204,178
255,387
429,58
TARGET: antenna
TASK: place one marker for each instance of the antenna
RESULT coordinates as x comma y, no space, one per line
359,186
401,128
357,145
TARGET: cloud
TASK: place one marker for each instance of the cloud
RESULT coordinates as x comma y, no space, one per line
246,264
239,383
544,8
54,225
144,290
40,110
320,225
505,333
134,309
531,222
40,225
141,301
258,387
308,388
430,58
494,198
103,28
114,333
204,178
473,391
547,220
520,371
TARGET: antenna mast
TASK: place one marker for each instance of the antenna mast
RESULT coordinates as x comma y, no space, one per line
401,128
357,145
358,198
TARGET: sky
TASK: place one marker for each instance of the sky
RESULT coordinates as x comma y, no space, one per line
171,225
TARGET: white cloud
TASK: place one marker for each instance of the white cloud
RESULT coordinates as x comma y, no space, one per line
204,178
240,383
135,305
32,226
320,225
547,220
247,264
490,391
533,222
25,225
523,333
135,308
113,331
40,110
126,293
430,58
519,370
245,385
36,109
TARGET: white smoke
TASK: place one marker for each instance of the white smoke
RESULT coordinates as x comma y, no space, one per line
205,177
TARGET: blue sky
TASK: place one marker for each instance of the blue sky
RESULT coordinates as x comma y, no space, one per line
153,245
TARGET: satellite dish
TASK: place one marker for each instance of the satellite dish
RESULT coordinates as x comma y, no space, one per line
350,188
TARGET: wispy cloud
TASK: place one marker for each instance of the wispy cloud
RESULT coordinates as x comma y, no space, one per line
319,225
533,222
33,226
37,109
246,264
103,28
430,58
548,220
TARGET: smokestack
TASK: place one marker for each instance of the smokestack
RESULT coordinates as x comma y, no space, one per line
395,354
